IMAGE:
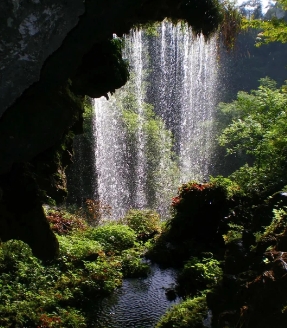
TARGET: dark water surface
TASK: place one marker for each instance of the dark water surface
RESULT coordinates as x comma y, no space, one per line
139,303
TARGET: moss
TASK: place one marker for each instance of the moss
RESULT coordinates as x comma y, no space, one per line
145,223
188,314
199,274
113,237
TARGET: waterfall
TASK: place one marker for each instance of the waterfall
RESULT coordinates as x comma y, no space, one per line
156,131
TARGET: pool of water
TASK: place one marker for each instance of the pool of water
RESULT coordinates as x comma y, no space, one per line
139,303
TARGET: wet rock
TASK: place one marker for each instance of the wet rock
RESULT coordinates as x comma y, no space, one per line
279,264
170,294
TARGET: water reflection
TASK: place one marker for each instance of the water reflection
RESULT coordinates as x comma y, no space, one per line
139,303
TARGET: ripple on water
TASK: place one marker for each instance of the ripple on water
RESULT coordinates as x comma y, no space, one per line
139,303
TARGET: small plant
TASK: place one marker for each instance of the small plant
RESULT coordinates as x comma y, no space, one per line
113,237
234,234
278,223
62,222
103,276
94,210
76,247
146,223
199,274
132,264
188,314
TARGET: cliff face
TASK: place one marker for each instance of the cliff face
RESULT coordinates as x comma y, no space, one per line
52,54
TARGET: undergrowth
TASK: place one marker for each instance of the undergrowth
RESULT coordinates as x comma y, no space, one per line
188,314
91,264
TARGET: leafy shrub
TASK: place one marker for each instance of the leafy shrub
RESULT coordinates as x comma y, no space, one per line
198,275
197,212
62,222
145,223
76,247
105,274
234,233
11,253
132,264
69,317
188,314
256,130
113,237
230,187
29,291
279,222
94,210
57,294
35,295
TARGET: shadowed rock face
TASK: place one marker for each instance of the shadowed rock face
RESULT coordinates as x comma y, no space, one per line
47,49
22,215
31,30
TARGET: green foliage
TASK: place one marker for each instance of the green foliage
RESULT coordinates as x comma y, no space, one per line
150,28
271,30
278,223
188,314
88,118
29,291
62,222
258,129
56,294
132,264
230,187
145,223
234,233
77,247
104,274
113,237
199,274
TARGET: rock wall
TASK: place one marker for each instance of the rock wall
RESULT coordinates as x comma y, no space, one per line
31,30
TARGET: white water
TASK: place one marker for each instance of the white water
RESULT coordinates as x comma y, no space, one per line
144,152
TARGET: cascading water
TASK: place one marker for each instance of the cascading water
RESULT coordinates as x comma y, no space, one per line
155,132
185,68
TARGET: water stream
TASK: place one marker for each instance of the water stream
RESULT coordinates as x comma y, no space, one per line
139,303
